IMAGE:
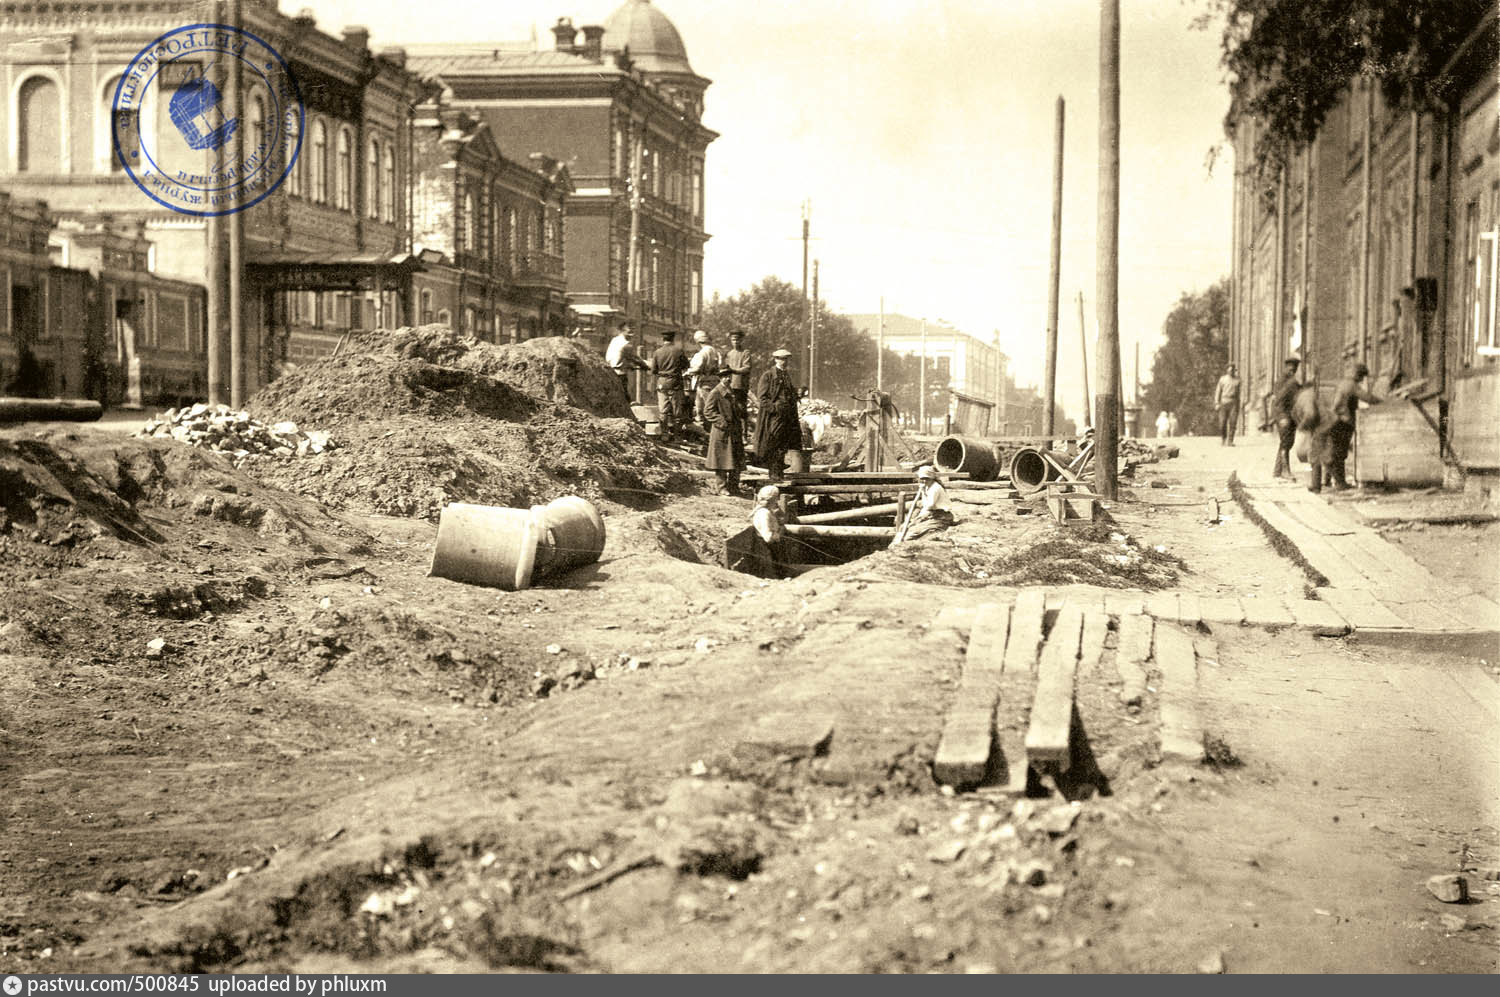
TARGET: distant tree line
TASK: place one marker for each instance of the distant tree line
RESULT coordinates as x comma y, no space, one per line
1190,360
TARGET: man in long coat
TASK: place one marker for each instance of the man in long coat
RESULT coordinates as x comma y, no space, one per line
778,428
726,434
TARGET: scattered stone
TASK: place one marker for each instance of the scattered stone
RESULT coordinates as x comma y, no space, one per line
156,648
1452,922
1450,889
1160,484
1051,891
923,892
951,852
1033,872
1059,820
554,649
542,686
1212,964
235,433
908,825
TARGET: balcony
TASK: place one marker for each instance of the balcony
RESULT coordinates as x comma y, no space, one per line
538,269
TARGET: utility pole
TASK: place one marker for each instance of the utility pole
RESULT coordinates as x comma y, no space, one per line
806,235
634,253
880,349
1050,378
812,340
1106,403
1366,197
237,234
1083,351
922,382
213,232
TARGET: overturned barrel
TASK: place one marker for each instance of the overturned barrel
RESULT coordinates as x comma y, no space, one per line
977,458
1030,470
511,548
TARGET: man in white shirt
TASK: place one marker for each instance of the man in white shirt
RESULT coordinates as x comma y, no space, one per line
622,358
930,510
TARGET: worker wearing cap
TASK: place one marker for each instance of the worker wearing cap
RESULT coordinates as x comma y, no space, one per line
1227,404
726,435
703,373
668,365
1282,400
778,428
738,358
930,510
622,358
1346,398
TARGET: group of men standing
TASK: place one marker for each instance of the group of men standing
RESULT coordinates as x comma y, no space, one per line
1294,407
719,384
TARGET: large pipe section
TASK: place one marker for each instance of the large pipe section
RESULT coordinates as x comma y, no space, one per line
977,458
512,548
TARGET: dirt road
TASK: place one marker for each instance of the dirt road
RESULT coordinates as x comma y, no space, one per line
337,762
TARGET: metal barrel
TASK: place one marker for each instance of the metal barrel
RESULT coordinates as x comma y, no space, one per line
1030,470
486,545
572,534
977,458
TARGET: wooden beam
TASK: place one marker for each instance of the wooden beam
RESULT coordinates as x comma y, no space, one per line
1181,730
1025,630
870,532
1050,731
843,515
1130,657
963,754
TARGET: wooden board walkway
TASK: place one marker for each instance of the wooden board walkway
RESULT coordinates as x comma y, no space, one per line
1181,730
1049,733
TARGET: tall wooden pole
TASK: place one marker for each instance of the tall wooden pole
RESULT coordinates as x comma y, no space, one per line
1050,376
922,382
812,340
1106,402
806,345
1304,317
1083,353
213,232
237,235
1364,225
880,349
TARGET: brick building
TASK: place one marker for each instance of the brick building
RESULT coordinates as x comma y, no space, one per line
329,250
620,105
498,224
1379,243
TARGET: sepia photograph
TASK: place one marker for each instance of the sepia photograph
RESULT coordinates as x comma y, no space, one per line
979,487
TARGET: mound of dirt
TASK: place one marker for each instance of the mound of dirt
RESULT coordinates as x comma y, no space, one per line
426,417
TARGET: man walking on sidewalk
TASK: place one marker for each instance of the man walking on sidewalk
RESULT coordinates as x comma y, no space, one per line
1227,402
1282,400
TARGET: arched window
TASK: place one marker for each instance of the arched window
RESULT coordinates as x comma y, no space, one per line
257,114
388,187
468,245
121,125
343,181
40,128
372,180
293,134
319,165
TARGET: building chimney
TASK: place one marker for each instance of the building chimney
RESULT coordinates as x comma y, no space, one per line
565,34
395,56
593,41
357,37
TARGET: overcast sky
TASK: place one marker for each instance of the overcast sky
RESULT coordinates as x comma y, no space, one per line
922,132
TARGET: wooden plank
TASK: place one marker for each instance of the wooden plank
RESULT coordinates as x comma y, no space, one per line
1315,549
1091,648
1267,611
844,515
1361,609
1162,605
1479,612
1319,617
1124,605
1181,730
1426,616
1378,559
1025,630
1131,655
1049,733
1316,516
963,752
1220,609
837,530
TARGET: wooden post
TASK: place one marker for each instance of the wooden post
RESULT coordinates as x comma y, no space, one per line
1050,377
806,230
1083,352
237,235
1278,290
922,383
1106,410
1367,203
812,340
880,349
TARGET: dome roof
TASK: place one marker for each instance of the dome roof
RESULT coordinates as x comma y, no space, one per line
655,46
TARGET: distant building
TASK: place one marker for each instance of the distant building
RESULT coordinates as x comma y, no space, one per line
970,365
622,103
1416,300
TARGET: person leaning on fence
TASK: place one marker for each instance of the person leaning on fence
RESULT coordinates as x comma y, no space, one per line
726,435
930,510
1282,401
622,358
668,365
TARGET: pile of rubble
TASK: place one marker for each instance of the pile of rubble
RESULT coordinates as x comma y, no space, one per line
1134,451
218,427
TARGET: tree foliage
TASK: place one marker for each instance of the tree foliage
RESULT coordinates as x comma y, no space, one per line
771,314
1191,359
1289,61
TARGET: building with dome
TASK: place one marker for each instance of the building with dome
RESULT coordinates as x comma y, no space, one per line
620,106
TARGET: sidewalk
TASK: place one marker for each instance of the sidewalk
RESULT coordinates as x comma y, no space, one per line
1373,586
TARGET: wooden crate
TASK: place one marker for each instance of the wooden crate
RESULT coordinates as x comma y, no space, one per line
1396,446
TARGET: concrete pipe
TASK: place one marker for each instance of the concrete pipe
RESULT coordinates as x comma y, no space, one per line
486,545
978,458
1030,470
572,534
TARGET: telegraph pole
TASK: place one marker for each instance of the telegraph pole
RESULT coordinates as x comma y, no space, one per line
1083,351
237,235
213,232
880,349
806,351
1107,401
922,382
1050,378
812,340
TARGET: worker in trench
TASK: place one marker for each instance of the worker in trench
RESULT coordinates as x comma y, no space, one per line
726,433
930,511
769,526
